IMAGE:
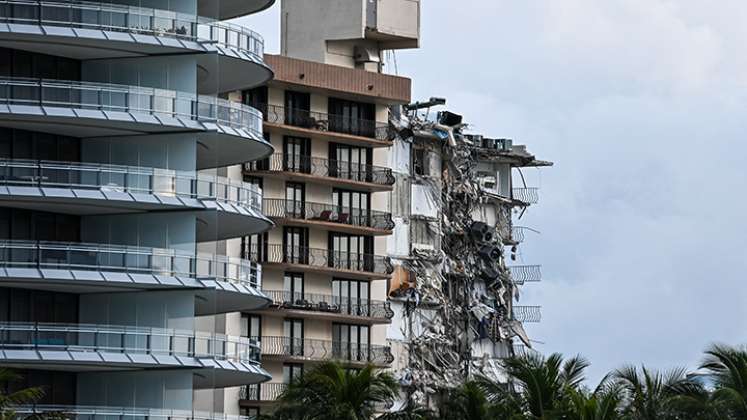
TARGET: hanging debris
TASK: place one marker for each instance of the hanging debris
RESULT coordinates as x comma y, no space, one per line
460,291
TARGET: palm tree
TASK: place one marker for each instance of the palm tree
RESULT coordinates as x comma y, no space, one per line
540,387
604,403
331,392
652,395
727,368
468,402
23,396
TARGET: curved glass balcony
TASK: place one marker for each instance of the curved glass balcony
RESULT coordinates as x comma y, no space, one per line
229,284
231,132
160,103
16,338
133,20
115,180
88,412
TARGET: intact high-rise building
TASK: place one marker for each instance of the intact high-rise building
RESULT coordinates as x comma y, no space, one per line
114,216
327,188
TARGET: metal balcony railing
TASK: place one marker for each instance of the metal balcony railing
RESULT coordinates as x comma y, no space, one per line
322,258
262,392
89,412
310,349
321,212
159,103
128,259
128,179
525,273
331,304
320,121
125,339
131,19
350,171
529,195
522,350
527,313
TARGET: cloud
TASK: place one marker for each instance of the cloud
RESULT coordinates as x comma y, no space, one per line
641,104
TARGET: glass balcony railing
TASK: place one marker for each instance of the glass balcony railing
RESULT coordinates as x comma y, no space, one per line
321,258
124,339
129,179
87,412
321,212
320,121
311,349
349,171
132,19
159,103
128,259
367,308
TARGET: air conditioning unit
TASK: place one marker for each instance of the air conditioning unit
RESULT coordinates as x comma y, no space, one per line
504,144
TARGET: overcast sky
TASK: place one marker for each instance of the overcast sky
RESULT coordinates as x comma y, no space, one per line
641,105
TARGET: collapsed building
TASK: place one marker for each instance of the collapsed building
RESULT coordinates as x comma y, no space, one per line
454,291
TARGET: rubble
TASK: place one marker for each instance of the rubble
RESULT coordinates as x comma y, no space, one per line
462,291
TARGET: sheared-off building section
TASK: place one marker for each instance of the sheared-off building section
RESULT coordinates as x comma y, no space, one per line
454,291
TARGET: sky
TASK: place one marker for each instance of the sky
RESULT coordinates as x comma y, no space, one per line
642,105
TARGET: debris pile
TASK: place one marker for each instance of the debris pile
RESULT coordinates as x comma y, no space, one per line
460,292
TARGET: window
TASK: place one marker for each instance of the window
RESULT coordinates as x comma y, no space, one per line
351,342
251,326
293,333
418,162
350,162
255,247
350,252
296,154
255,180
297,107
352,296
295,199
256,98
292,372
296,245
20,305
352,207
350,117
293,287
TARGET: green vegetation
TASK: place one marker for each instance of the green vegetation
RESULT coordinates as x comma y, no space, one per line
539,388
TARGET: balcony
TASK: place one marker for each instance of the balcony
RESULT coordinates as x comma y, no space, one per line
228,360
224,284
341,128
525,196
527,313
299,349
521,274
321,306
261,393
39,411
88,188
324,171
91,30
337,218
326,261
231,132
